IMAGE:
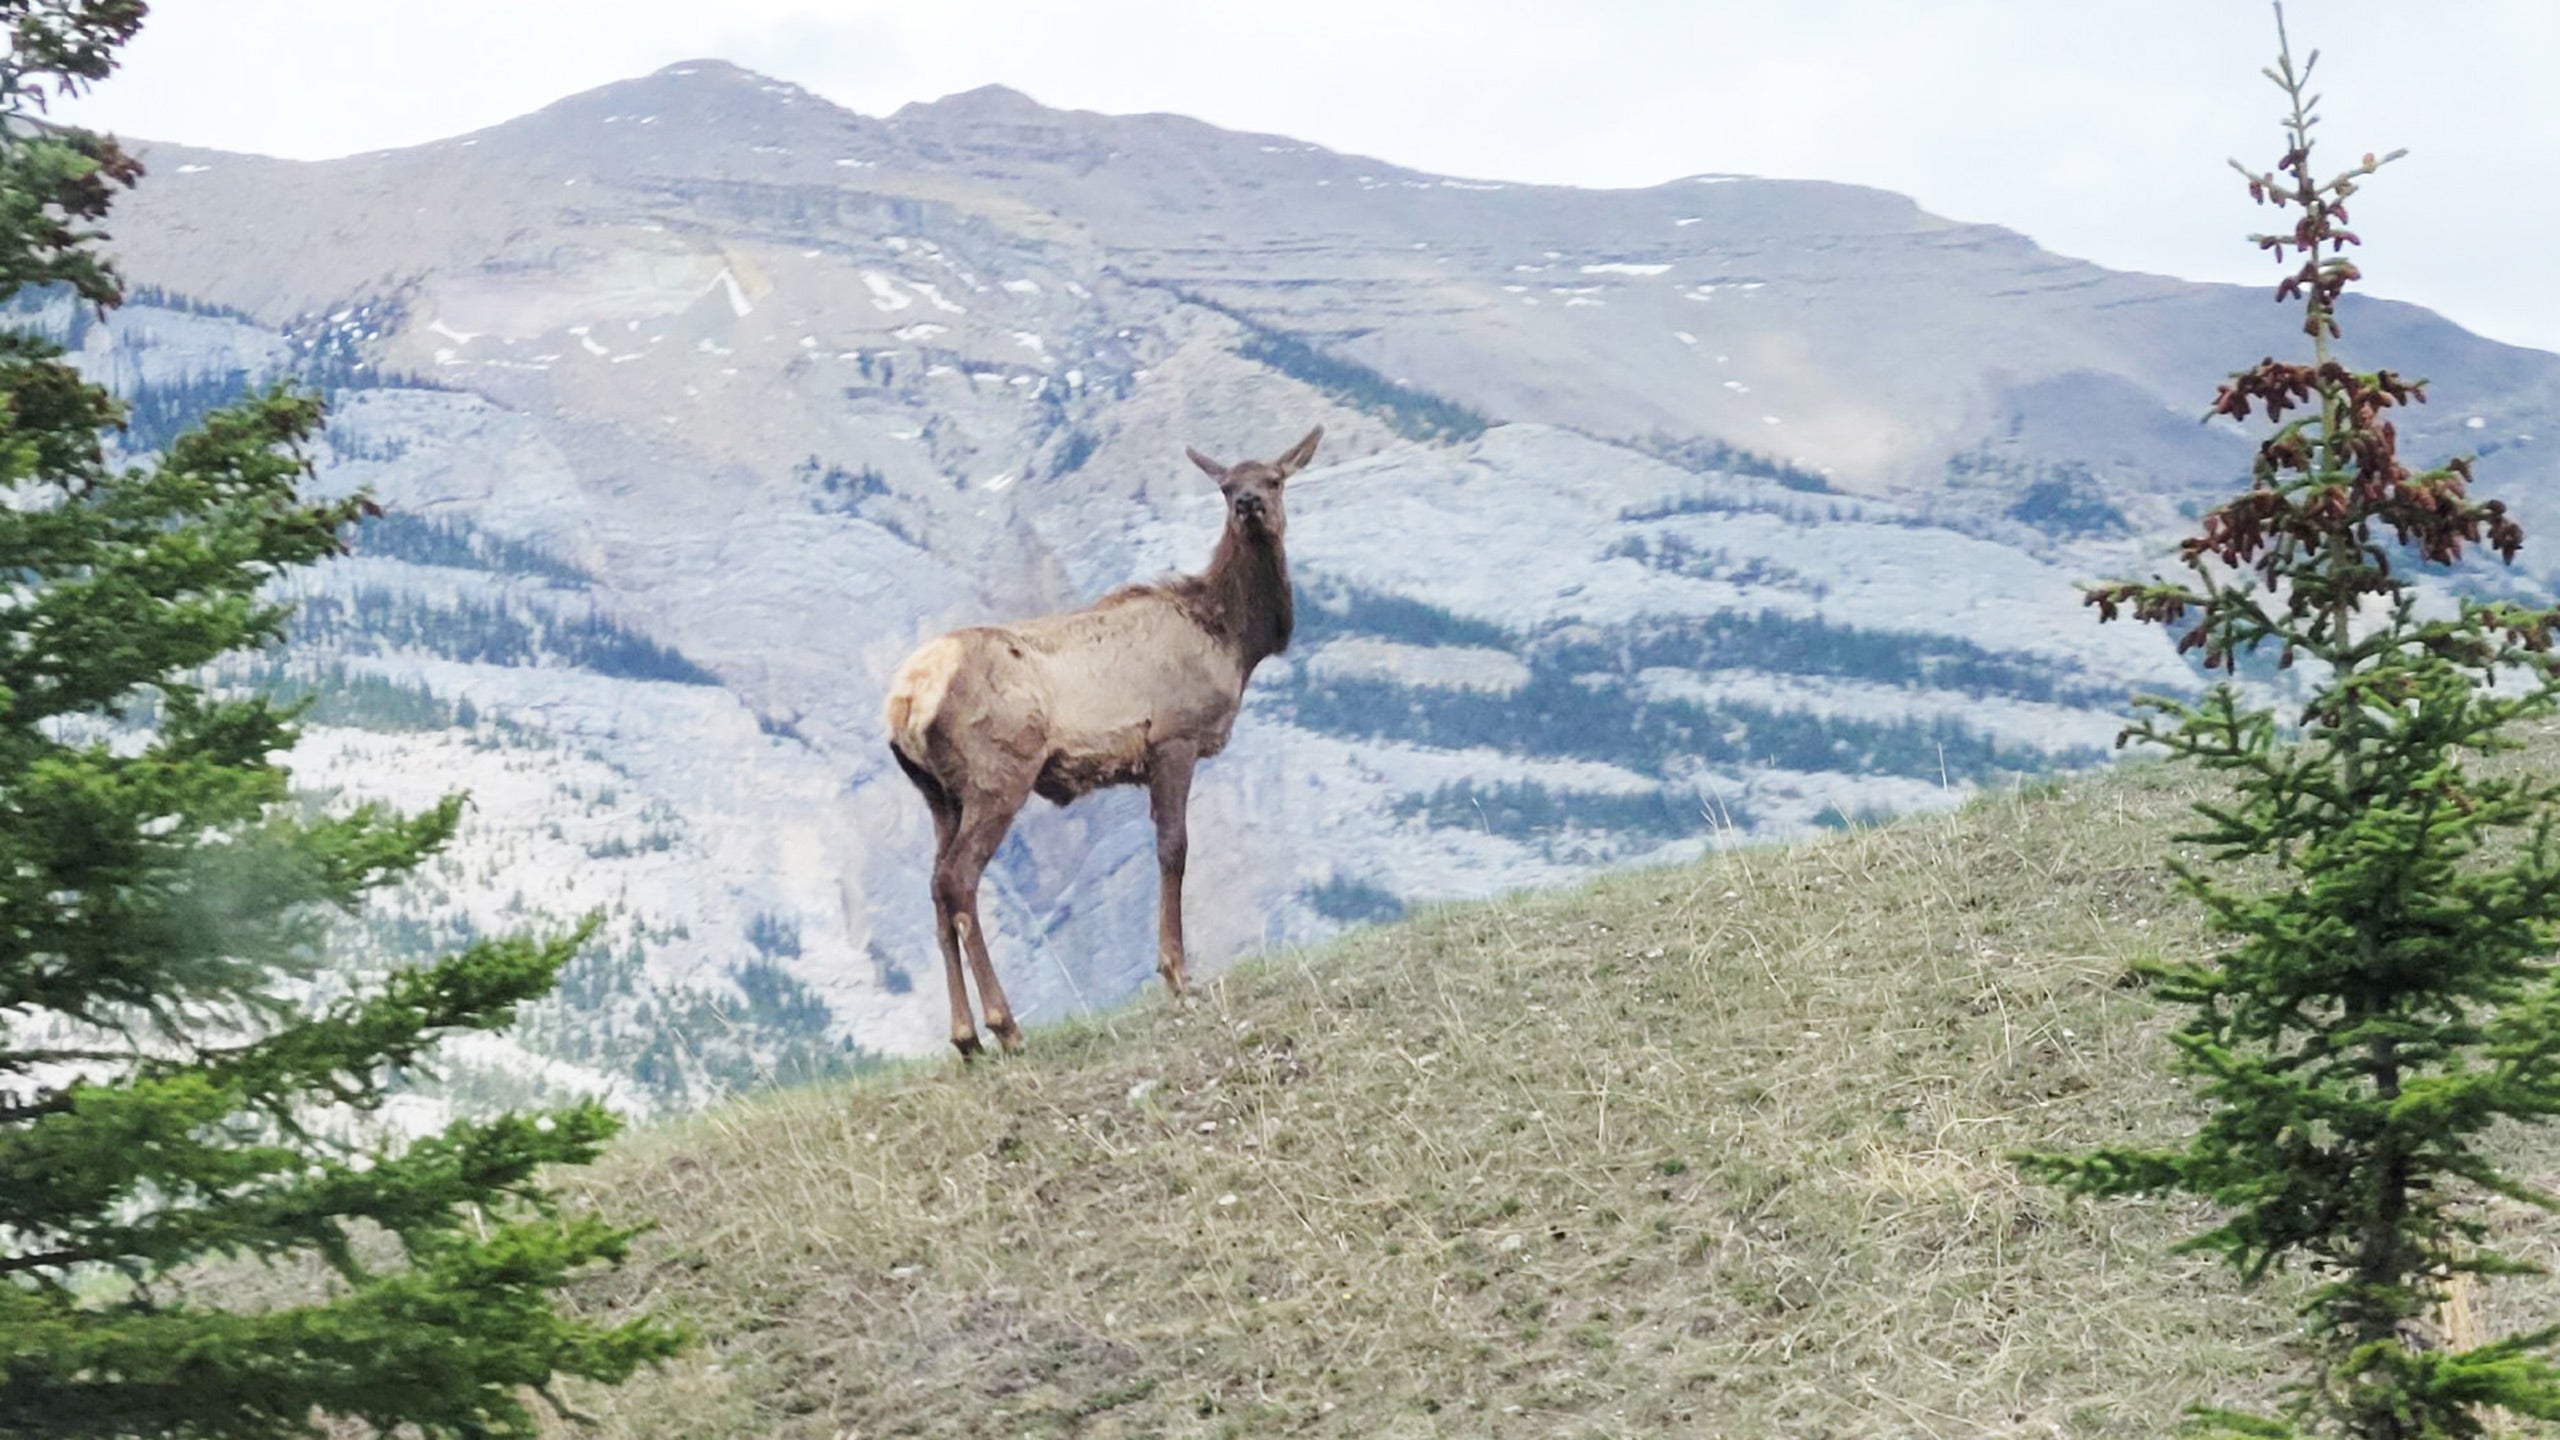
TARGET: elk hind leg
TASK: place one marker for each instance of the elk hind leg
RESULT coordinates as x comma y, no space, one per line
946,828
985,816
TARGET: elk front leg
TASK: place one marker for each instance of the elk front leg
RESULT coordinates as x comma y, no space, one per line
1169,797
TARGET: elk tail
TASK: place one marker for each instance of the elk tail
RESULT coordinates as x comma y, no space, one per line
915,696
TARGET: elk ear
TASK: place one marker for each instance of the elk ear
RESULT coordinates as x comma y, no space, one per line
1215,470
1299,454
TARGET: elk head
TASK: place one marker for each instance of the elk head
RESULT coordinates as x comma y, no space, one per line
1252,488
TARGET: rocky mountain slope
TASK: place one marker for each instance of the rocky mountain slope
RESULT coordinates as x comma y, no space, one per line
1646,519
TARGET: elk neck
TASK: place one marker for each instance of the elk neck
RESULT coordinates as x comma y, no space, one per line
1248,585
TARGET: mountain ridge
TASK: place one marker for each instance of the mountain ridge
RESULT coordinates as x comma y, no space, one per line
952,145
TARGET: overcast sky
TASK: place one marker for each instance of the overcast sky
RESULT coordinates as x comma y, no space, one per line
2099,128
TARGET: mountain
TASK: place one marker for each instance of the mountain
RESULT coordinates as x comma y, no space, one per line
1646,519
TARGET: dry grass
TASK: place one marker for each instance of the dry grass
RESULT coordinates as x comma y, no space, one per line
1708,1151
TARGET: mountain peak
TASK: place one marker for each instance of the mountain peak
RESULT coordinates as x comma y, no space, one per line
702,97
986,100
708,69
710,77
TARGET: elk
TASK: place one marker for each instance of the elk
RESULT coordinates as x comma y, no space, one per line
1135,689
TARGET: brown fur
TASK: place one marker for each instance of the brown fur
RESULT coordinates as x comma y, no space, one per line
1134,689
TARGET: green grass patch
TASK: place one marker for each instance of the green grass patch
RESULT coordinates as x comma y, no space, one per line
1717,1149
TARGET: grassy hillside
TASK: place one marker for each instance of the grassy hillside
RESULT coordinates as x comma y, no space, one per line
1715,1151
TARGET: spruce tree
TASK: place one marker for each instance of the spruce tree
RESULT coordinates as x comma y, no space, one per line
2385,996
182,1082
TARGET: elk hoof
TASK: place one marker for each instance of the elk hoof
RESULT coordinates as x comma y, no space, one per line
967,1045
1008,1035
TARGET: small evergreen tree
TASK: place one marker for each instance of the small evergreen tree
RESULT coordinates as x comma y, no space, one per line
2387,994
182,1080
